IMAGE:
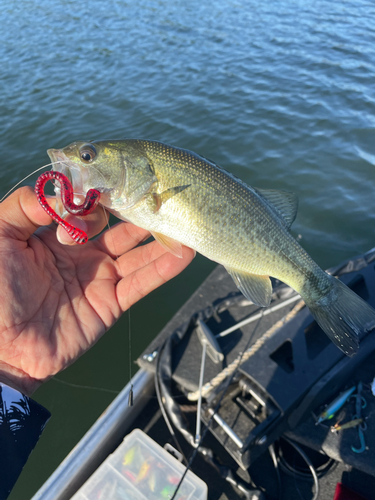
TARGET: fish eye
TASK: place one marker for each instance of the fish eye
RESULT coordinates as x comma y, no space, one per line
87,153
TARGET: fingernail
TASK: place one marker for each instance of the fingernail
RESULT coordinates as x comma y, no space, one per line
62,235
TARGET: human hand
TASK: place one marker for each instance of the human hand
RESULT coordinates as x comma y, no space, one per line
57,300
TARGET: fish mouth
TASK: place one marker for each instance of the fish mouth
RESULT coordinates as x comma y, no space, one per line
73,172
61,163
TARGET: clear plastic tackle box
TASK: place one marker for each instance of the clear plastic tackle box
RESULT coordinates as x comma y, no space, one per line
140,469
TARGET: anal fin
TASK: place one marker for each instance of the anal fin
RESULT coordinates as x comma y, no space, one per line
255,287
168,243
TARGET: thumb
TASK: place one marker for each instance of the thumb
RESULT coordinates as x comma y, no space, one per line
92,224
21,215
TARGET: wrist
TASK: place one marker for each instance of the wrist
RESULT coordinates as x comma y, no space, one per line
17,379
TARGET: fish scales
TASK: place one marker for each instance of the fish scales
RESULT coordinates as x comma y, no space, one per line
183,198
225,201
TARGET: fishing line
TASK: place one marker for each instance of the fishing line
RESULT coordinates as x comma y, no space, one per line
309,464
27,176
272,452
95,388
41,168
117,256
130,401
78,386
228,382
162,408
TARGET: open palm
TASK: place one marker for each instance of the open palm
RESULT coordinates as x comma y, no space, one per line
57,300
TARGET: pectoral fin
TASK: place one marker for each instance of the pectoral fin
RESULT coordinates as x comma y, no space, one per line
155,200
256,288
169,244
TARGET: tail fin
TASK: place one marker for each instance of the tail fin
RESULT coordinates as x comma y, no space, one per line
343,316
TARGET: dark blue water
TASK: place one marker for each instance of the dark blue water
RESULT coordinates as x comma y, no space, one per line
280,93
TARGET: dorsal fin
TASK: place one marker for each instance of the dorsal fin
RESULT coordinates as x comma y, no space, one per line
285,203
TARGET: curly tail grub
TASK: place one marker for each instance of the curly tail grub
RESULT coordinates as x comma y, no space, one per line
67,197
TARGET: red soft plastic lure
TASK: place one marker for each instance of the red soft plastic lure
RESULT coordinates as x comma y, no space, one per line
67,197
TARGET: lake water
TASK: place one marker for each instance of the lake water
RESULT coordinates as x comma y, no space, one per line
280,93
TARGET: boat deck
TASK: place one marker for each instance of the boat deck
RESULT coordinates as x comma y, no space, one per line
324,373
292,373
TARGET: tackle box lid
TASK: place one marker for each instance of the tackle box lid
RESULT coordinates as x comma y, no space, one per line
140,469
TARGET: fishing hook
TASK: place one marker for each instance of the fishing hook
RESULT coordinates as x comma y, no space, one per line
360,403
363,446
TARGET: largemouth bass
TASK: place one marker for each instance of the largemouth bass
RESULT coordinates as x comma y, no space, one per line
183,198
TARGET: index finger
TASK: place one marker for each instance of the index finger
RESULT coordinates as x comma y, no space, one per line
92,224
121,238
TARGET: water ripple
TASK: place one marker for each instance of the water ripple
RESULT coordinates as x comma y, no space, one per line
281,93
